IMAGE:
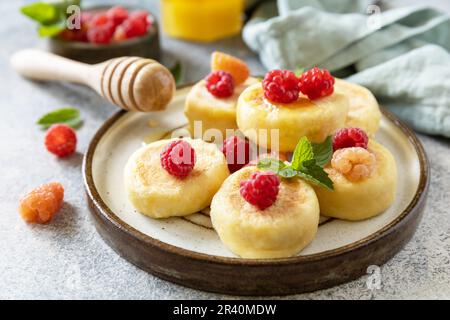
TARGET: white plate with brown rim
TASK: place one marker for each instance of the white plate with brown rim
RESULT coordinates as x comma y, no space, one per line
189,252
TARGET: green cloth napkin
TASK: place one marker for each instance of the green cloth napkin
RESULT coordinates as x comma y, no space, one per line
401,55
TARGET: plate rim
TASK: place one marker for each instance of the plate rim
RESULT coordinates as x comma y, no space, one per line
118,223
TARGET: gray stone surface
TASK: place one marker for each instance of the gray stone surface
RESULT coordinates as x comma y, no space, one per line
67,259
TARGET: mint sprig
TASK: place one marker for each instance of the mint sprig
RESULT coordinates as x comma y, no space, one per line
307,163
50,15
69,116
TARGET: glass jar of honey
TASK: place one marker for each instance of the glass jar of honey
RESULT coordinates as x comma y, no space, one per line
201,20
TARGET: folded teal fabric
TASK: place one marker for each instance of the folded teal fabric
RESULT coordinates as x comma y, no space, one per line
401,55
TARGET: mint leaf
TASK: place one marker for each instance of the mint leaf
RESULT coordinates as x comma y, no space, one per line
176,71
315,174
270,164
306,163
303,152
74,123
69,116
278,167
44,13
287,172
62,5
323,152
51,30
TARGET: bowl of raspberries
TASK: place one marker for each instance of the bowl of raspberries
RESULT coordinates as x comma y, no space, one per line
108,32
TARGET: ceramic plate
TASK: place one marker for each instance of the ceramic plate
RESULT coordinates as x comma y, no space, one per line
185,250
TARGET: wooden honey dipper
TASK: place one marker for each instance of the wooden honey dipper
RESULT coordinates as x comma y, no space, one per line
131,83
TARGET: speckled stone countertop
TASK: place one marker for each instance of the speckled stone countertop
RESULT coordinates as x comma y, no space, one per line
67,259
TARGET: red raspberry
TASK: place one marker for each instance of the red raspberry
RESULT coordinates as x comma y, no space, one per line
42,203
349,138
74,35
133,27
119,35
178,158
237,153
99,19
142,15
61,140
261,189
280,86
316,83
101,34
86,18
220,84
117,15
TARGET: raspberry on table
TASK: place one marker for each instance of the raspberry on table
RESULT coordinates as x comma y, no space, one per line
220,84
316,83
261,189
178,158
234,66
42,203
281,86
350,137
117,15
61,140
237,152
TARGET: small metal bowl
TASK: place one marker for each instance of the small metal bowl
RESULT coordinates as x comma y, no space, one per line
146,46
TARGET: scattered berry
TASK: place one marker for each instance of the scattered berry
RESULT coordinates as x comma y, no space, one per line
234,66
42,203
350,137
61,140
178,158
237,153
261,189
316,83
134,27
354,163
220,84
102,34
117,15
281,86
